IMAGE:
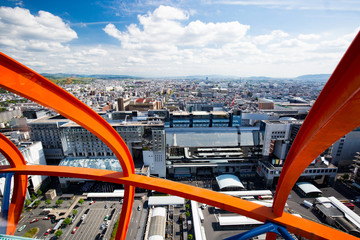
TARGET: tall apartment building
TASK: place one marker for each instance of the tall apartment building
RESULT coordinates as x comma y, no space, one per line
344,150
47,131
145,141
278,138
122,104
154,157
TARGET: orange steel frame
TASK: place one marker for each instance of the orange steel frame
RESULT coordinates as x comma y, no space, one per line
334,114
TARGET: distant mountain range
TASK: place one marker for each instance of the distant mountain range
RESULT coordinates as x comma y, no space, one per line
68,75
314,77
309,77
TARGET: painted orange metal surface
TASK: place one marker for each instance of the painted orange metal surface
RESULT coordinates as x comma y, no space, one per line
25,82
335,113
126,211
17,202
15,159
11,152
300,226
19,79
323,126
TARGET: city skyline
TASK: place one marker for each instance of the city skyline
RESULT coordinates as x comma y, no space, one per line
179,38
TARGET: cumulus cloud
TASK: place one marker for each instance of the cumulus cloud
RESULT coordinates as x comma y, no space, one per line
41,32
168,41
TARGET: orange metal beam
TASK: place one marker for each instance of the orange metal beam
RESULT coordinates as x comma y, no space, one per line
335,113
299,226
27,83
15,159
17,202
23,81
126,212
11,152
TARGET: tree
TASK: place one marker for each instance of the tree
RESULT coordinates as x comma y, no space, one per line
59,202
58,233
37,203
187,214
33,197
39,192
67,221
75,211
190,236
27,202
47,201
81,201
187,206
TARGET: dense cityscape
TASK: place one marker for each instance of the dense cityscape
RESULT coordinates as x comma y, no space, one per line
179,120
230,135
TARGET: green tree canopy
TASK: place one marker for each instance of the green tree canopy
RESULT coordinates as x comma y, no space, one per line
75,211
47,201
37,202
33,197
67,221
59,202
81,201
58,233
27,202
39,192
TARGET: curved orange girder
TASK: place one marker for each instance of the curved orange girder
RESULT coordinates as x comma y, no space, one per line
297,225
17,202
16,159
126,209
25,82
335,113
11,152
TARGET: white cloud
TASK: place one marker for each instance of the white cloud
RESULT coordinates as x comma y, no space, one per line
266,38
170,13
168,41
43,32
309,36
163,31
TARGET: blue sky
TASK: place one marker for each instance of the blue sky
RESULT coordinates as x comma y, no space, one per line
177,38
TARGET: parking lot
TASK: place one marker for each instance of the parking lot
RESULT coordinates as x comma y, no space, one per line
89,228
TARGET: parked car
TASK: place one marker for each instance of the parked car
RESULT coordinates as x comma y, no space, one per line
74,230
47,231
21,228
91,202
350,205
139,208
46,218
106,218
34,220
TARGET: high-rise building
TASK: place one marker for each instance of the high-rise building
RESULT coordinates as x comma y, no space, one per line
47,130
